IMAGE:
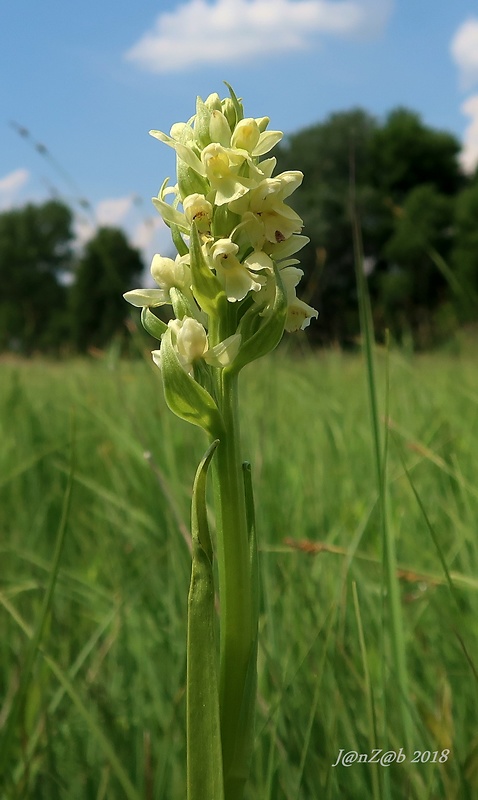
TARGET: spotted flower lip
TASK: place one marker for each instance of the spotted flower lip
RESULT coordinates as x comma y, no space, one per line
199,210
266,202
237,278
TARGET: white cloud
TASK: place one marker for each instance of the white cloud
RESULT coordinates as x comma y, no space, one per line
198,32
112,211
469,153
464,50
10,185
146,233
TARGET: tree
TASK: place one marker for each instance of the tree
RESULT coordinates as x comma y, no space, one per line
35,258
464,257
405,153
384,165
333,155
105,271
412,287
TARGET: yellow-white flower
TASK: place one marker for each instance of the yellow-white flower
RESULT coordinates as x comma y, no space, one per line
168,274
199,210
266,202
299,313
221,166
248,136
238,278
190,341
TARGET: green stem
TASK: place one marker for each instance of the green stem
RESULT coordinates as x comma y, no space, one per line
237,614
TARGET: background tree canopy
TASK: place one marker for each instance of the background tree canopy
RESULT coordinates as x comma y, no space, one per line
417,211
35,253
105,271
54,298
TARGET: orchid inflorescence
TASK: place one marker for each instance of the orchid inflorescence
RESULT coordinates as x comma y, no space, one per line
232,291
235,236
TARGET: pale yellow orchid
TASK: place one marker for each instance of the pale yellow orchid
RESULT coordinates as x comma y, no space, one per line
238,278
190,342
168,274
299,313
199,210
266,202
249,136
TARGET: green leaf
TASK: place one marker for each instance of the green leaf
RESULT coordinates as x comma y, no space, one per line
186,397
238,107
152,324
178,240
269,334
204,750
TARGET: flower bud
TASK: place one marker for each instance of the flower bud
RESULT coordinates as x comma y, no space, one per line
246,135
213,101
227,107
191,339
219,130
168,273
262,123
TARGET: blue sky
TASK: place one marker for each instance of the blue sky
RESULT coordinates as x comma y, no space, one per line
87,81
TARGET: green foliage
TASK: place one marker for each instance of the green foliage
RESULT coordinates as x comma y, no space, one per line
417,213
404,177
406,153
105,271
35,257
52,298
465,251
327,153
412,287
110,678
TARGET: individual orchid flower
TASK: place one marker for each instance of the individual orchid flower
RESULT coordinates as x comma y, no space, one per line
199,210
266,202
248,136
238,278
168,274
190,342
221,167
299,313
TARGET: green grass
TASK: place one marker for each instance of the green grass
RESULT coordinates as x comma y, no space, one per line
100,712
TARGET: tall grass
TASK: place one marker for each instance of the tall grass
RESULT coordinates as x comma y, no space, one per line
103,707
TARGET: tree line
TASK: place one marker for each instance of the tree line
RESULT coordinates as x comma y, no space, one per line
418,216
55,298
417,212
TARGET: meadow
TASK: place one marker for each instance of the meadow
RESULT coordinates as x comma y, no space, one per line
95,485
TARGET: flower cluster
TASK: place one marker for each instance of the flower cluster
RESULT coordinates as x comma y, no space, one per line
232,284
